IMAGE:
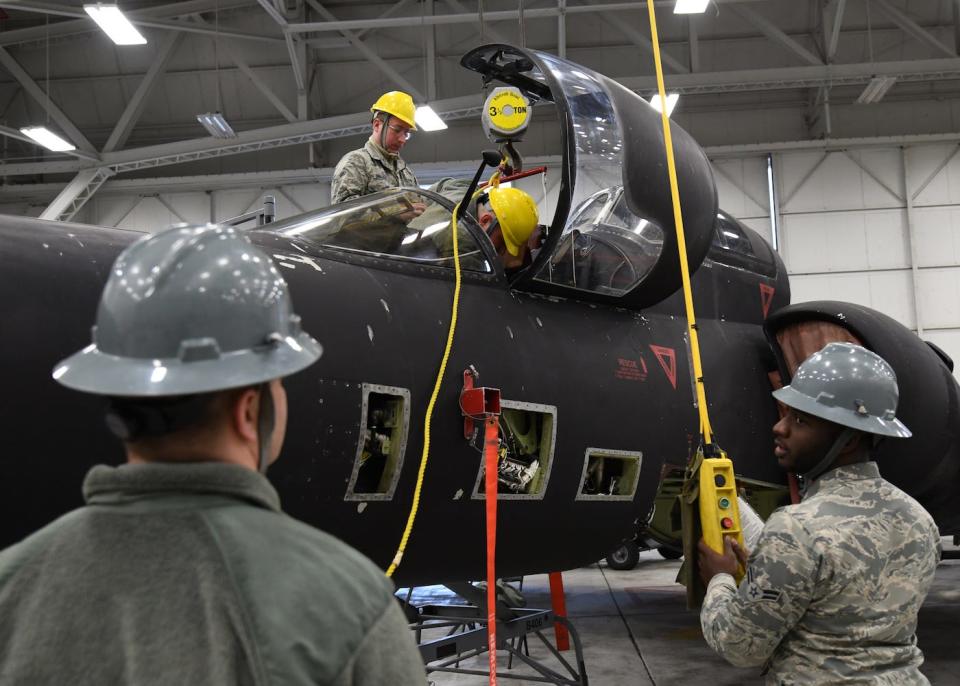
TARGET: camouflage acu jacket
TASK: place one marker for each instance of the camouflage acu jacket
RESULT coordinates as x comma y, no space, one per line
833,587
368,170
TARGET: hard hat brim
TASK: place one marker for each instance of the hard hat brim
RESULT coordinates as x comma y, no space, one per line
841,415
93,371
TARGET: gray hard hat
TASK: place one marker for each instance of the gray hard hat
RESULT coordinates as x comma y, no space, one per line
848,385
190,310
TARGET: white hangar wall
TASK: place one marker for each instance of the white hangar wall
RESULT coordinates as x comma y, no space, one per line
877,226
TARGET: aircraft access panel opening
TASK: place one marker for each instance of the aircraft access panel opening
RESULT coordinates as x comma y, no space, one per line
609,474
385,420
528,437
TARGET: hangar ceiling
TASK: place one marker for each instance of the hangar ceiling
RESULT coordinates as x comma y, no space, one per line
294,77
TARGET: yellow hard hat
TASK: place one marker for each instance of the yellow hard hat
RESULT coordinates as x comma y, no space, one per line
517,213
398,104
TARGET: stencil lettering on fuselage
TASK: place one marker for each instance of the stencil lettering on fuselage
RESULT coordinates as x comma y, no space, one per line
631,370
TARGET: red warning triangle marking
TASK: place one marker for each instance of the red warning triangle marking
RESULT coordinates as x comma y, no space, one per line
667,357
766,297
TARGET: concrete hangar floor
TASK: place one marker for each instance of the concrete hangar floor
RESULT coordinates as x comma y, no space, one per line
635,629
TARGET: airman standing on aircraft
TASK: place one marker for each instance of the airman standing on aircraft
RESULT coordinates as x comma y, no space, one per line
832,590
181,568
378,165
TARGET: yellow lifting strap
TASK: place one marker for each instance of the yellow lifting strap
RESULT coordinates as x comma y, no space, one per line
717,514
705,429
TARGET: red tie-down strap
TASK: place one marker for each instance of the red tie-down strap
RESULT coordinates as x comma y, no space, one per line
491,445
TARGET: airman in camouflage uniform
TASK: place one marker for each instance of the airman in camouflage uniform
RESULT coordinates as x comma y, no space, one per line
377,165
833,587
368,170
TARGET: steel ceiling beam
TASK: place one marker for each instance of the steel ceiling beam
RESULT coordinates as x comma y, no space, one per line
491,35
336,43
835,29
465,18
693,43
562,29
138,18
258,82
911,27
639,39
955,6
500,15
431,54
293,47
19,73
370,55
274,13
830,144
799,77
76,193
775,34
67,28
454,108
131,114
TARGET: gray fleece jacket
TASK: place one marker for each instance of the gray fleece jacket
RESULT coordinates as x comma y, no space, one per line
191,574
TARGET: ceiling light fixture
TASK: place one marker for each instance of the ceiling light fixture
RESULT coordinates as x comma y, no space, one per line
428,120
671,102
47,138
216,125
111,20
690,6
876,89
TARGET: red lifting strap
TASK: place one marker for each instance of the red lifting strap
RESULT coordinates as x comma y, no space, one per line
491,444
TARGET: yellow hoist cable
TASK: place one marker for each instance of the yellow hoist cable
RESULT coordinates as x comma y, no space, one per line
705,428
424,456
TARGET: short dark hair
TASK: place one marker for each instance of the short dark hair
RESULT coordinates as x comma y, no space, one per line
133,419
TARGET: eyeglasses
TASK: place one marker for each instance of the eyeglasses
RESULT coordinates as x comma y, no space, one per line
400,131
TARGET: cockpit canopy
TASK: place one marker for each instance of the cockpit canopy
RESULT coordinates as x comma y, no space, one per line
385,225
605,248
612,237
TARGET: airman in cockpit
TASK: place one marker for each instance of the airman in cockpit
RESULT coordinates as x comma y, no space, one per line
509,216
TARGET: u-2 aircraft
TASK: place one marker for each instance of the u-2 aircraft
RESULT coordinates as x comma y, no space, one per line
587,345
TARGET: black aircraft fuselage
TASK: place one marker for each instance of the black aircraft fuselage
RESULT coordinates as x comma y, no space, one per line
588,347
613,380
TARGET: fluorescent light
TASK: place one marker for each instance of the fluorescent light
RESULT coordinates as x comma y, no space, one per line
114,24
691,6
47,138
876,89
428,120
671,102
216,125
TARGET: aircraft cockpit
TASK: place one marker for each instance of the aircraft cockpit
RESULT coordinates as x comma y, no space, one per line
389,225
612,237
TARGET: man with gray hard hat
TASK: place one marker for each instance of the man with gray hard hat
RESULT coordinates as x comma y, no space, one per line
181,568
832,589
